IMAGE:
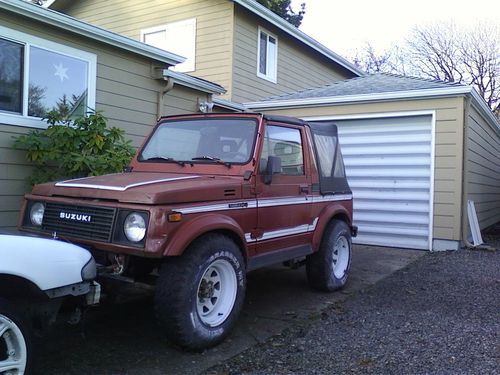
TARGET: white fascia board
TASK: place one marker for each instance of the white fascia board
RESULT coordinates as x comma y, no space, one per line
287,27
193,82
87,30
482,107
383,96
229,105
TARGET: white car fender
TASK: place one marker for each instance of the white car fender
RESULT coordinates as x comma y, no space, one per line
46,263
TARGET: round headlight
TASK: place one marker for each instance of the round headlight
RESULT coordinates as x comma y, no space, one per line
134,227
36,213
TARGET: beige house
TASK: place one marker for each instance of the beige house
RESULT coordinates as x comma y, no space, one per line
416,152
239,44
45,55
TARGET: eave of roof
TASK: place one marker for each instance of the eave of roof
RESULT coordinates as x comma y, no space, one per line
233,106
287,27
477,100
73,25
194,82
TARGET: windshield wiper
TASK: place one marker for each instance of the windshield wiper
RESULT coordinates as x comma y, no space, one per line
211,158
163,158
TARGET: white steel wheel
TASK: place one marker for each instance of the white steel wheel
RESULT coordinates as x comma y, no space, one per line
14,349
340,257
216,293
328,268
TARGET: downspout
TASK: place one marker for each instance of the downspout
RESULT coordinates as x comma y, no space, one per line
168,84
465,219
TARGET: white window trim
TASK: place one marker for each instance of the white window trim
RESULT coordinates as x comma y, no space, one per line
155,29
34,41
274,77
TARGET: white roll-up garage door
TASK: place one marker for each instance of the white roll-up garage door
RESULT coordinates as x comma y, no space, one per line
389,167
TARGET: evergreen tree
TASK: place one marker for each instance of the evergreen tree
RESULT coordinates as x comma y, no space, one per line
283,9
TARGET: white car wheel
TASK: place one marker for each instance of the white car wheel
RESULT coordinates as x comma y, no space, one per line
13,345
216,293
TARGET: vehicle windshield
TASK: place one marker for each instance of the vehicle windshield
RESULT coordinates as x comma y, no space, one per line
209,140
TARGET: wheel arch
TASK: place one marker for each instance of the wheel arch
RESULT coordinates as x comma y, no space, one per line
326,216
203,225
13,287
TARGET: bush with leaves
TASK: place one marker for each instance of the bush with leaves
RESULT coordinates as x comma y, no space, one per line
75,148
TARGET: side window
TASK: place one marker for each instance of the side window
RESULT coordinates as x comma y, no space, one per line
176,37
267,59
286,144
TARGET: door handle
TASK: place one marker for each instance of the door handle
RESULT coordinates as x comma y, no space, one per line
304,189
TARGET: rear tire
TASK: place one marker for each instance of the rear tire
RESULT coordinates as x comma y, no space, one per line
328,268
199,295
15,341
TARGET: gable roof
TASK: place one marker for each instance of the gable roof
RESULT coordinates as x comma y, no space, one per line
262,12
374,88
369,84
294,32
62,21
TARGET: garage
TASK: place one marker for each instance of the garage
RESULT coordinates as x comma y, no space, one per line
416,152
390,171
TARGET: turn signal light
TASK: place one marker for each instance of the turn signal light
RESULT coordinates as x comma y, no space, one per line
175,217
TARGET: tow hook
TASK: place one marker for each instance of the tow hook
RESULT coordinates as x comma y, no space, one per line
118,265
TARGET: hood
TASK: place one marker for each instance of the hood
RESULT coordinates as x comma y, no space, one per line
146,188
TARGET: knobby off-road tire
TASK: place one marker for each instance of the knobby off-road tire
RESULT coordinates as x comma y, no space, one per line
199,295
16,348
328,269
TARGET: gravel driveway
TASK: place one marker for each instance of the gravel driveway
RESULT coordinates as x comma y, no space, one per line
440,315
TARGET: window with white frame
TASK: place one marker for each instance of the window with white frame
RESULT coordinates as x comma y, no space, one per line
267,56
176,37
37,76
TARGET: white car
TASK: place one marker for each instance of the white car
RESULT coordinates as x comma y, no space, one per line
36,274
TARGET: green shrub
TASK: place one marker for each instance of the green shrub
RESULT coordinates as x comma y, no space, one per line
72,148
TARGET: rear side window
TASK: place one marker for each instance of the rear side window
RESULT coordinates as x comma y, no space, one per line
325,145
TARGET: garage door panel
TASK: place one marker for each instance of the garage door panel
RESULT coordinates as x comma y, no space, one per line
366,205
388,166
416,149
409,171
403,241
390,161
394,218
383,197
387,139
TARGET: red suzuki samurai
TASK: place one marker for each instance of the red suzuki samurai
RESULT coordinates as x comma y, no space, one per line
208,198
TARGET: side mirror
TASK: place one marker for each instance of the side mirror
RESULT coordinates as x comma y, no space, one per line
273,167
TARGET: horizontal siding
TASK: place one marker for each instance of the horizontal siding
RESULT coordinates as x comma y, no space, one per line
482,160
448,151
126,95
297,70
214,27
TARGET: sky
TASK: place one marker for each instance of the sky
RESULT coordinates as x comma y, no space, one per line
346,26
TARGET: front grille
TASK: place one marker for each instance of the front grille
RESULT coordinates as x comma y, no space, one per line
85,222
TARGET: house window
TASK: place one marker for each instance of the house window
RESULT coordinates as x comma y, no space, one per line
37,76
177,37
267,56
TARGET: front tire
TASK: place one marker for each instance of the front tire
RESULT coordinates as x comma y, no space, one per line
199,295
328,268
15,341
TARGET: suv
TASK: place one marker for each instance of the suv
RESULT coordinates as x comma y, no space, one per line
207,198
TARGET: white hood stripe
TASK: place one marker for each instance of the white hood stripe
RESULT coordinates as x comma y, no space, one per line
69,183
